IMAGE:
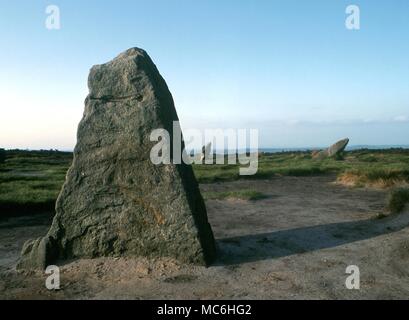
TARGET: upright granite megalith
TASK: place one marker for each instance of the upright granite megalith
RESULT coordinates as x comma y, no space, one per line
115,201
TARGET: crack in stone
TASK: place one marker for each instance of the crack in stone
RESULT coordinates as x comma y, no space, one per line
117,99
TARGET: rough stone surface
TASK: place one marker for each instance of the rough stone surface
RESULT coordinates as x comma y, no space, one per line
115,202
335,150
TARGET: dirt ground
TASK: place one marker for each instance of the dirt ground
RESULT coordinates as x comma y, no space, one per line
295,244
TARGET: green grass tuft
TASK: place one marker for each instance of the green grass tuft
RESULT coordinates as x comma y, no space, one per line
31,180
398,199
248,195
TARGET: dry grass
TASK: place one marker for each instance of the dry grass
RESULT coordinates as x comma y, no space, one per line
375,178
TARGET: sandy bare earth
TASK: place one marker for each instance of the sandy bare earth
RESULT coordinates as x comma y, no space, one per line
296,244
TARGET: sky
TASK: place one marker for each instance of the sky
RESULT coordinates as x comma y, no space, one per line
290,69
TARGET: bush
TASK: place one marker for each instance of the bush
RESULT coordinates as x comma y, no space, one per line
398,199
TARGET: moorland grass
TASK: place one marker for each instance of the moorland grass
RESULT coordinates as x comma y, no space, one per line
31,180
358,168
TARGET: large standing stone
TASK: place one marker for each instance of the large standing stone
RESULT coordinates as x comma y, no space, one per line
333,151
115,202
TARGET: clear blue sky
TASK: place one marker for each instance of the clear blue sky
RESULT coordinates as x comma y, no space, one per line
289,68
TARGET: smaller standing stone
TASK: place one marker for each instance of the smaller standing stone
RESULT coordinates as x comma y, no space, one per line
206,152
333,151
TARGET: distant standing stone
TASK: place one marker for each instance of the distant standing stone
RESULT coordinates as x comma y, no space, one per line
115,201
335,150
206,152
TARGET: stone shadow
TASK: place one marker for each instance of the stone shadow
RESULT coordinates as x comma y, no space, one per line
276,244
